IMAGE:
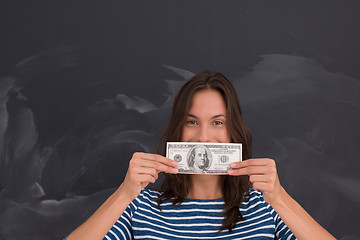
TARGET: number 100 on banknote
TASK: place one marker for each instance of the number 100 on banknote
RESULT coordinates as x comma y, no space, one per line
204,158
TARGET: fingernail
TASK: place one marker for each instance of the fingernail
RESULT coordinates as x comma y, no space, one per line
175,170
230,171
232,165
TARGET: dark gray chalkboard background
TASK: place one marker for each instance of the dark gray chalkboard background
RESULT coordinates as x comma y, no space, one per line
84,84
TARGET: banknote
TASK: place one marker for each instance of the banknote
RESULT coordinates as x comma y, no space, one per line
204,158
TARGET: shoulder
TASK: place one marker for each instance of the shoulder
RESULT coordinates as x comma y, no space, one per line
254,202
148,195
255,196
145,197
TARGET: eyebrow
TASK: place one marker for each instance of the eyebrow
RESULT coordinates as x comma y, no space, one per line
216,116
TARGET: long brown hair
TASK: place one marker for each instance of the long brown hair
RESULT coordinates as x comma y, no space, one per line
234,188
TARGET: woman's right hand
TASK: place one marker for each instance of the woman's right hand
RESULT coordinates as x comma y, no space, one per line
144,169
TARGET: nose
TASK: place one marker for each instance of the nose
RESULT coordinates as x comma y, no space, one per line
205,134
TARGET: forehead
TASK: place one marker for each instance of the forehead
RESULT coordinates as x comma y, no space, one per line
208,101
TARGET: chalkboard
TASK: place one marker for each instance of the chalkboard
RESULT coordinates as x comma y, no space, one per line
85,84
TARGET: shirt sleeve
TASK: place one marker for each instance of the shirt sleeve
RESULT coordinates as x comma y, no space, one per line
282,232
122,229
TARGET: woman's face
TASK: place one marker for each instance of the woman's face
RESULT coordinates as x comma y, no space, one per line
206,121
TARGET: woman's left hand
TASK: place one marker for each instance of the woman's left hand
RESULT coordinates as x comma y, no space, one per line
263,175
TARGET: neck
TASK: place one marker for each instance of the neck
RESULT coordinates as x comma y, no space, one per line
205,187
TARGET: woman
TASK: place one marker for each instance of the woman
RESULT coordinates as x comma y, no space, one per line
206,109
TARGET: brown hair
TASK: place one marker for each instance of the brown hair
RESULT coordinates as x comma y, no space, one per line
234,188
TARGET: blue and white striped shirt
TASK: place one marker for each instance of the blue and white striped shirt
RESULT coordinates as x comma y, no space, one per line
194,218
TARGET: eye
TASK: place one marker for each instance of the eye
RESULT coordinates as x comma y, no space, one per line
217,122
192,122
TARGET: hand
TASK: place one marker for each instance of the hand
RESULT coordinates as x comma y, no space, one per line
262,174
143,169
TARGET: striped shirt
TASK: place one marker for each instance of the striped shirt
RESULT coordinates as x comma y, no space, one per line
194,218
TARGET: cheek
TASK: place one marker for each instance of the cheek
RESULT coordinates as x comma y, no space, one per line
223,136
184,134
190,134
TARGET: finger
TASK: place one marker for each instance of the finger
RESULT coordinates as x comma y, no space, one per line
250,170
156,158
253,162
259,186
264,187
258,178
145,178
160,163
157,166
149,171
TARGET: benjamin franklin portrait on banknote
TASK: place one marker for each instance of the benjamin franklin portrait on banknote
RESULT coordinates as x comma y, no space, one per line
199,158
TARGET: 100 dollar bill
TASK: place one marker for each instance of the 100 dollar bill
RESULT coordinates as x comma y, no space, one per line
204,158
